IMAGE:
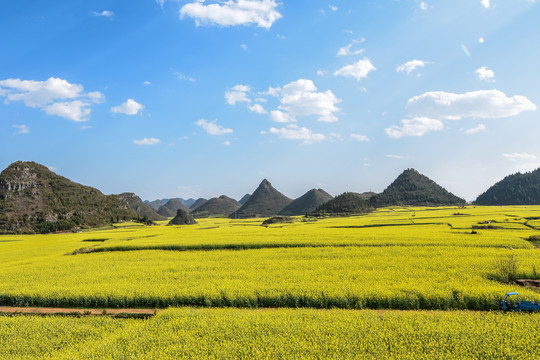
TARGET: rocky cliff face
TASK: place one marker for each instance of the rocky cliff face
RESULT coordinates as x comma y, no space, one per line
34,199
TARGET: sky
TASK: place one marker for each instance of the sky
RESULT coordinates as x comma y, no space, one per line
194,98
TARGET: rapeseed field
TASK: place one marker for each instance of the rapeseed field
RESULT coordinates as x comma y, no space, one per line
282,276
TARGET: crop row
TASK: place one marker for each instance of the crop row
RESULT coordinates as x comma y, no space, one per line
344,277
283,334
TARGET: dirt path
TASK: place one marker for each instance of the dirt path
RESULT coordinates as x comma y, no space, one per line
136,313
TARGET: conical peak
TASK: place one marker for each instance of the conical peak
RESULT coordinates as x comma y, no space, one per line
265,184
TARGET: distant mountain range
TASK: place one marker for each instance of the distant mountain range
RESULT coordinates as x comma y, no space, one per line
35,199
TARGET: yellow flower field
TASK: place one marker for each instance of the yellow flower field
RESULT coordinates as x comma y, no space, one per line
275,334
417,258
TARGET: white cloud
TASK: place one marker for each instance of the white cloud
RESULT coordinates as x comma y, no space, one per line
281,117
237,94
347,50
424,6
333,8
146,83
243,46
336,136
485,4
301,98
227,143
358,70
212,127
147,141
161,2
21,129
130,107
481,104
519,157
262,13
86,127
272,91
410,66
257,108
294,132
360,137
397,157
73,110
104,13
485,74
181,76
55,96
321,72
475,130
417,126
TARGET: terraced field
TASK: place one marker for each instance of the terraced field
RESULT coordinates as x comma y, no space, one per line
399,258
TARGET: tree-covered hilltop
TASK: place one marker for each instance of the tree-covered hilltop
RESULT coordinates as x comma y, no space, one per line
414,189
515,189
218,206
346,203
306,203
34,199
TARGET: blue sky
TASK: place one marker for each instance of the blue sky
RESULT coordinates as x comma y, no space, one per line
201,98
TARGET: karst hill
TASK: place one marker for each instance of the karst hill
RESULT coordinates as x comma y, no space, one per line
35,199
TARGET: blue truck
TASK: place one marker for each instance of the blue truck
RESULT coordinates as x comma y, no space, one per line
512,305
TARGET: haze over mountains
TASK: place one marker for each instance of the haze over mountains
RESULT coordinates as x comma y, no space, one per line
35,199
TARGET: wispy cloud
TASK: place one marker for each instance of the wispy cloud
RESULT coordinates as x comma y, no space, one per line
410,66
417,126
475,130
348,50
262,13
481,104
21,129
486,4
294,132
130,107
213,128
54,96
519,157
360,137
397,157
181,76
147,141
104,13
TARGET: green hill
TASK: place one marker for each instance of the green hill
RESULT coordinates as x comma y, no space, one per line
144,211
265,201
414,189
34,199
170,208
306,203
197,203
346,203
515,189
219,206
